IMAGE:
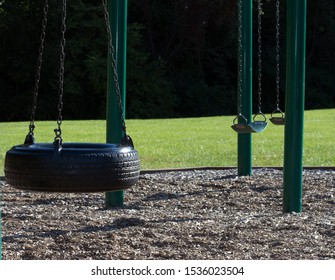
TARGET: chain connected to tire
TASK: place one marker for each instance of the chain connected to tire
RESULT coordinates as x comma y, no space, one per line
113,63
30,137
71,167
126,140
58,131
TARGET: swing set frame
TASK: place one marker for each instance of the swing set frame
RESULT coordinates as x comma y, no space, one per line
294,100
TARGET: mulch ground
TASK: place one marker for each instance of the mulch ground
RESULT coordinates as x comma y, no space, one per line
204,214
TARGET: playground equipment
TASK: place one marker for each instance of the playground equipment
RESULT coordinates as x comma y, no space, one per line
295,88
73,167
277,116
114,133
294,99
294,104
241,124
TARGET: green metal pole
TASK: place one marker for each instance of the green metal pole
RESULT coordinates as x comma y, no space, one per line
294,107
244,149
118,11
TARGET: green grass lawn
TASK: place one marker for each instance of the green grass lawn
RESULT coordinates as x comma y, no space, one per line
192,142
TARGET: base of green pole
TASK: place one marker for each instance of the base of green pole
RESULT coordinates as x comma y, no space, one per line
244,158
114,199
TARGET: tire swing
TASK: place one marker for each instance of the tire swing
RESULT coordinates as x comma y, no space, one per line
241,124
71,167
277,116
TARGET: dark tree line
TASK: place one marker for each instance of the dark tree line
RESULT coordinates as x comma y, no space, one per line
181,60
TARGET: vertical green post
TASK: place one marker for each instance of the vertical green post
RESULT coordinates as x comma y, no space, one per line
294,107
118,11
244,149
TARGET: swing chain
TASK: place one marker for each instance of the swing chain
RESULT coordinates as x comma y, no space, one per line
115,73
240,58
260,12
30,136
277,53
58,138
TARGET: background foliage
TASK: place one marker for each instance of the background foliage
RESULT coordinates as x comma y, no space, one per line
181,58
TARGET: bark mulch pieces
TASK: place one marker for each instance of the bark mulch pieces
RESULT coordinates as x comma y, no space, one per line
206,214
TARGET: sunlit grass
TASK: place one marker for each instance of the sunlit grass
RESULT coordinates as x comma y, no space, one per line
192,142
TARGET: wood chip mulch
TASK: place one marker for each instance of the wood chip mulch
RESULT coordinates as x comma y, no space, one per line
204,214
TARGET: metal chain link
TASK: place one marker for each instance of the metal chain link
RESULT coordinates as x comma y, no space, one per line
240,58
260,13
38,73
58,131
113,62
277,54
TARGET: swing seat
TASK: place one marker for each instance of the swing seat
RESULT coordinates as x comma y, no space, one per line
258,126
242,128
278,120
253,127
75,167
245,127
240,124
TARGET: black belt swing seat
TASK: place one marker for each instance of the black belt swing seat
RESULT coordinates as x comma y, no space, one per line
72,167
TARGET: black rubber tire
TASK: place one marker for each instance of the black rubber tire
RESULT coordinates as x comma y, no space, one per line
77,167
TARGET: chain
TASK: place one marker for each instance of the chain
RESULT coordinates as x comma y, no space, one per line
277,53
240,58
58,131
113,62
38,73
260,12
